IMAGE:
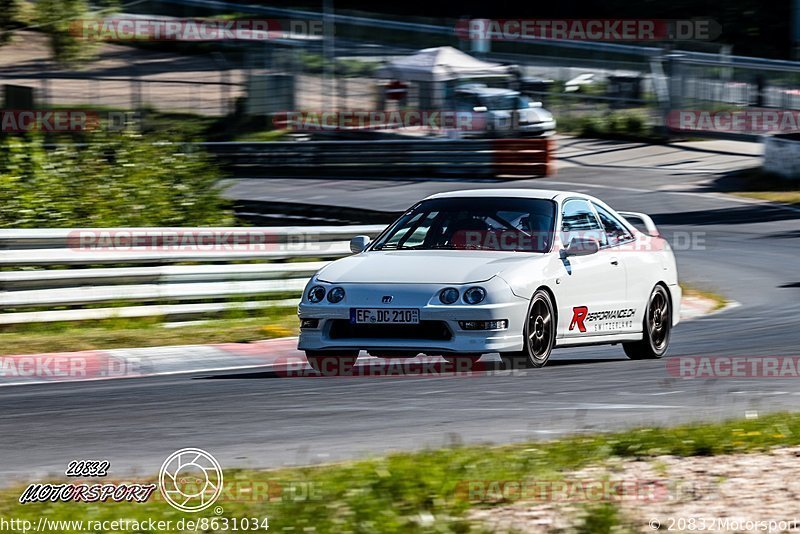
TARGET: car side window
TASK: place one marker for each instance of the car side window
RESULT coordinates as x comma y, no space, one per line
466,102
616,232
578,220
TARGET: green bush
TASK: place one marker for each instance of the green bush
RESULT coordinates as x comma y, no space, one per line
613,124
315,63
113,180
55,17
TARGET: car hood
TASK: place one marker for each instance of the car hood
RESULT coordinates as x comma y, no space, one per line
423,266
525,115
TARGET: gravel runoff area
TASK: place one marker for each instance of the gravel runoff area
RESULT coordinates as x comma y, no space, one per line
756,492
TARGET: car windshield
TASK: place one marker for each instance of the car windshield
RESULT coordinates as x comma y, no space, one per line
473,223
503,102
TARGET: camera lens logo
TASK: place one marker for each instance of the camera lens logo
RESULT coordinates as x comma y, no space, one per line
190,480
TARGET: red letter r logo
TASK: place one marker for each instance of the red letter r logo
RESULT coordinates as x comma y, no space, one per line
578,315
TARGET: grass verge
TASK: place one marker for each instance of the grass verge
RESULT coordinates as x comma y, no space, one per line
147,332
760,185
420,492
718,300
785,197
624,125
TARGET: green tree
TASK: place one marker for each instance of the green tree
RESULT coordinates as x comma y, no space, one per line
114,180
8,19
58,18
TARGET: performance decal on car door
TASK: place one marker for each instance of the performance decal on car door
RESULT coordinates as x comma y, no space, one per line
601,321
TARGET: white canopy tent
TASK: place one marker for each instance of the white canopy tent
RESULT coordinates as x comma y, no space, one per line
440,64
434,69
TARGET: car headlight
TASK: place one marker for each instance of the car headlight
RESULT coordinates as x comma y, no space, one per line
335,295
448,295
316,294
474,295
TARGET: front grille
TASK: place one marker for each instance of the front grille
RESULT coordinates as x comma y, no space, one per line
427,330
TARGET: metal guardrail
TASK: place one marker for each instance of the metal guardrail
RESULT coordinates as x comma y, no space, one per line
46,270
412,159
782,155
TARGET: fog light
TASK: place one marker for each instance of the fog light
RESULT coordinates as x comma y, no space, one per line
309,323
500,324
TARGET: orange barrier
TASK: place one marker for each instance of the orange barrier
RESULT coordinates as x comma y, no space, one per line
522,158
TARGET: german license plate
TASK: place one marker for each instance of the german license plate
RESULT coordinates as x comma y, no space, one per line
384,316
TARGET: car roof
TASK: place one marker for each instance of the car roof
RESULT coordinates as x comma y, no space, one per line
485,91
512,192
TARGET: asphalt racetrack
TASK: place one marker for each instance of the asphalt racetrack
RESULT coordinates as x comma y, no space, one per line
748,251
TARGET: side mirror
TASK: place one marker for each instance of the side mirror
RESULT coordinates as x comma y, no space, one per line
359,243
534,104
582,246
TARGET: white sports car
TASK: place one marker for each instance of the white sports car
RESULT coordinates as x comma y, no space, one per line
514,271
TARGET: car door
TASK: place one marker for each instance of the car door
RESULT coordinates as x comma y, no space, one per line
641,264
592,287
621,244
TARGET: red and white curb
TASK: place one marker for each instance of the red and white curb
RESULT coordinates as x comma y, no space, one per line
695,307
182,359
151,361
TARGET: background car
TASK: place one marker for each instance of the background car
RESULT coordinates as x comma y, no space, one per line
504,110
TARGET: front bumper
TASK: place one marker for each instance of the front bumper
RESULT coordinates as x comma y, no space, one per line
335,332
538,127
676,294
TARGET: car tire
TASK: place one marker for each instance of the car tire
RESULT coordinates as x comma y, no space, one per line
656,328
539,335
332,362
